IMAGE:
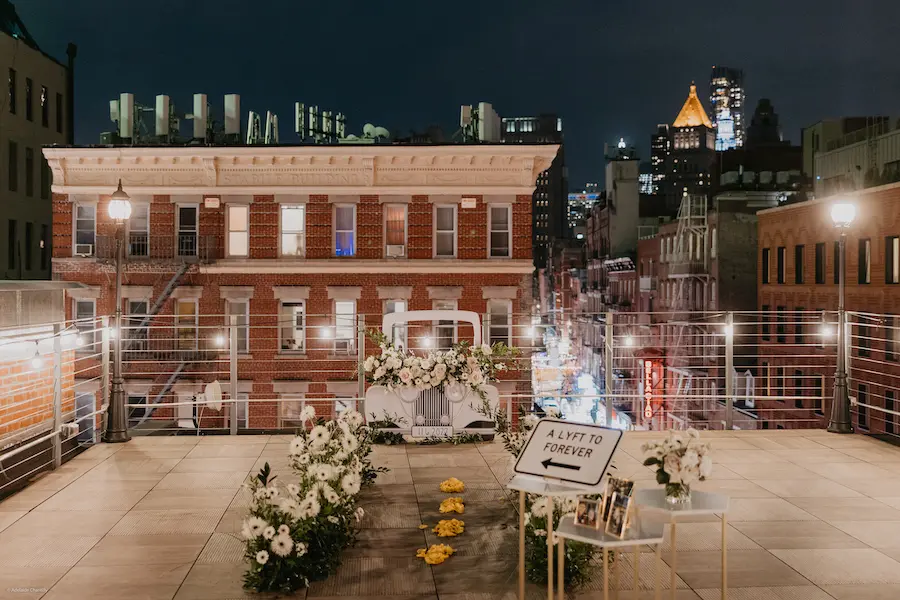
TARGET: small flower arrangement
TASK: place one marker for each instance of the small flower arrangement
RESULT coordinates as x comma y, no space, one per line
436,554
453,486
681,460
449,527
452,505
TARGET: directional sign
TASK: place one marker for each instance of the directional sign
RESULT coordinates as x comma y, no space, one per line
566,451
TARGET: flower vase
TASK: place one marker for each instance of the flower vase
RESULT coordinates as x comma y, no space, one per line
678,494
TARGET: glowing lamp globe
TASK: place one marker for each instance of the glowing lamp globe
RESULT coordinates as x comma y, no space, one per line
842,214
119,205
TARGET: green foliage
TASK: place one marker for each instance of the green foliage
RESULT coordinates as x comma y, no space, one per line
387,421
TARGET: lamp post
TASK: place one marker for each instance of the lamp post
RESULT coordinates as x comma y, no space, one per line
842,215
117,421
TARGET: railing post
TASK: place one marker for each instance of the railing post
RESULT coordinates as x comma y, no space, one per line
104,374
233,372
361,358
57,396
608,369
729,371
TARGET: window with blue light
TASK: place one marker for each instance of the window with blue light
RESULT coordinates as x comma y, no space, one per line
345,230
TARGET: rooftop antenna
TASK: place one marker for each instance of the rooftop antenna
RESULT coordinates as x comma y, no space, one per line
271,128
253,128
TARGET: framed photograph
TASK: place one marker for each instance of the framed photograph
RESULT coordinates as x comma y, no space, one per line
614,485
618,515
587,513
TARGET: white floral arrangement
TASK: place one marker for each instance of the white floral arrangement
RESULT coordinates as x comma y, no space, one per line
681,460
296,532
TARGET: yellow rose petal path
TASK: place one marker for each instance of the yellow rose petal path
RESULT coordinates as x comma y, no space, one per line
438,553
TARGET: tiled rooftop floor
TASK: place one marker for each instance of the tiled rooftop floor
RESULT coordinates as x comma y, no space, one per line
813,516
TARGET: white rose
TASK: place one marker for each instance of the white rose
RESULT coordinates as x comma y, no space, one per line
476,377
379,372
369,364
486,350
705,466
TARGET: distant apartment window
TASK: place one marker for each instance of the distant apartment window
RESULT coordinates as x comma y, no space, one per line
45,246
780,325
85,314
139,230
292,326
892,259
238,230
862,398
890,338
46,178
45,107
395,230
863,338
499,321
798,388
293,230
59,113
186,324
890,406
345,230
798,264
780,261
240,309
820,263
29,99
798,326
865,261
400,331
444,331
445,230
11,245
765,321
779,383
29,243
13,167
138,331
765,375
836,252
344,325
29,172
12,91
500,231
818,394
85,229
765,265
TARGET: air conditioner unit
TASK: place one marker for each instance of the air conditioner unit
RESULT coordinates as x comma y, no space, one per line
397,250
343,346
84,249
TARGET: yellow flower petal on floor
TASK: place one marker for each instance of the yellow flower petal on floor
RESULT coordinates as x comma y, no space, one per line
449,527
453,486
453,505
436,554
423,526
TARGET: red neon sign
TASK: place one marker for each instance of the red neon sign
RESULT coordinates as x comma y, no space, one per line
648,389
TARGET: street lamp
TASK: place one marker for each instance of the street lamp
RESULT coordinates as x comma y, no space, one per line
117,421
842,215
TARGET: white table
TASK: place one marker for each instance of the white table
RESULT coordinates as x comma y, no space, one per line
639,533
650,501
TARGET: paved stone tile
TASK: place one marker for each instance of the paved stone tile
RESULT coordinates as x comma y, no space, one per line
7,518
27,583
438,474
213,465
734,488
45,551
389,493
395,477
816,457
223,548
167,522
74,498
788,592
772,470
877,534
202,480
806,488
371,576
59,523
149,582
730,458
479,541
226,451
875,488
842,567
232,440
469,459
231,521
481,573
876,591
200,498
765,509
699,537
796,535
772,443
399,542
139,550
847,509
25,500
746,568
220,581
841,471
382,515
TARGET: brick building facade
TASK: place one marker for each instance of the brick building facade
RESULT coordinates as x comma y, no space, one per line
297,242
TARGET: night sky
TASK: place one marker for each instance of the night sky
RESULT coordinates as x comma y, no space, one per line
609,69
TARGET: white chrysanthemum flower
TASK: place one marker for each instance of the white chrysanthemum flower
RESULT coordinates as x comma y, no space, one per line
271,492
256,525
308,413
310,507
319,436
282,545
360,513
334,520
351,484
245,532
298,445
269,532
260,493
320,471
540,532
486,350
262,557
293,489
303,459
284,530
301,548
530,421
369,364
349,443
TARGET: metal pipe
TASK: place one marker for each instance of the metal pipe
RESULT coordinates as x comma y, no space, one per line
233,372
57,395
729,371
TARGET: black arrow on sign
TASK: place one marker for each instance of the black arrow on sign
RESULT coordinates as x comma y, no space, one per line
549,463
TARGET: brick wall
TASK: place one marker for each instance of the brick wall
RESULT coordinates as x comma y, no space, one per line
27,395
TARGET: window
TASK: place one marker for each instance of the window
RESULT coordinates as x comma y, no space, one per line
862,412
444,331
12,91
890,338
345,230
820,263
85,314
238,229
892,259
780,266
139,230
837,262
45,107
779,383
29,99
765,372
395,230
864,336
45,246
85,229
46,178
500,229
29,172
292,326
400,331
29,242
11,243
798,388
765,321
243,406
890,404
186,324
798,264
499,320
344,325
59,113
291,406
187,230
780,326
865,261
240,309
765,265
818,394
712,243
137,311
445,231
13,166
798,325
136,413
293,230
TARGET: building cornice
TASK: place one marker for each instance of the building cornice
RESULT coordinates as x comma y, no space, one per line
262,170
349,266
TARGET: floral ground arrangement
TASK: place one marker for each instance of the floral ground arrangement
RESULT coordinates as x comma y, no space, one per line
296,533
438,553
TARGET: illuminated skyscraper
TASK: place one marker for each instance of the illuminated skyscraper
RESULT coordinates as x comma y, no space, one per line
660,148
726,98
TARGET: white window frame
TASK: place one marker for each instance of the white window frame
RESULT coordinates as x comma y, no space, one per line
434,230
179,326
405,209
287,400
283,325
134,320
282,232
88,330
507,304
242,348
334,231
352,327
242,405
131,229
490,230
437,325
196,230
245,233
75,243
401,337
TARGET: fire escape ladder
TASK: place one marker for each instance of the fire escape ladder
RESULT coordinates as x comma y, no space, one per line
152,406
167,291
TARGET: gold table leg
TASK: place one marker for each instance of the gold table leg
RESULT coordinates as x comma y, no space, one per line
605,574
521,545
549,547
674,559
658,583
724,558
637,572
561,569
